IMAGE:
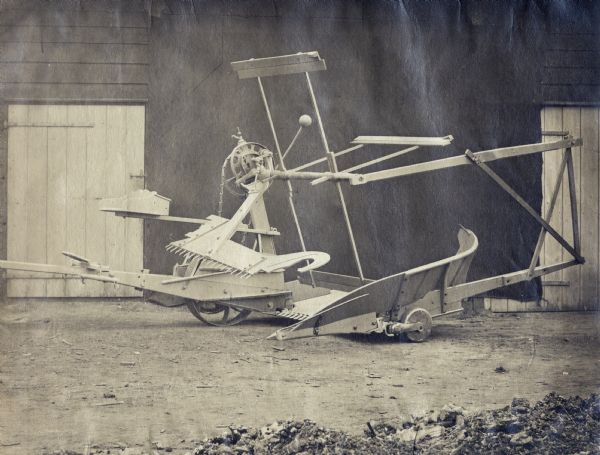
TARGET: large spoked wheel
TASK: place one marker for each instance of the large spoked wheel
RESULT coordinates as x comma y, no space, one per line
217,314
422,317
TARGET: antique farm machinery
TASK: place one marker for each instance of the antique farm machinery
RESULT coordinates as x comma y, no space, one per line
222,280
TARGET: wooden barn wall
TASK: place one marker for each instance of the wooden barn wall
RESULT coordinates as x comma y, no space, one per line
570,92
73,51
67,51
571,54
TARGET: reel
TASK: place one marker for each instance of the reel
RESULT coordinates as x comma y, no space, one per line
236,170
246,157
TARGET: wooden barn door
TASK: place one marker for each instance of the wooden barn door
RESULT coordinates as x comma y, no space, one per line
576,288
61,161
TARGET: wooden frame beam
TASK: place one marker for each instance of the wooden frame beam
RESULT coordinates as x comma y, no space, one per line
302,62
454,161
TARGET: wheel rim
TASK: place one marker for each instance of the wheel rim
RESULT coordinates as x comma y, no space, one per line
217,314
422,316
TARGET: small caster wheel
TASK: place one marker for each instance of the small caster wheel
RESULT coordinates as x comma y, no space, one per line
421,316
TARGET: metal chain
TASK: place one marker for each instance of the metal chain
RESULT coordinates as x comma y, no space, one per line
222,187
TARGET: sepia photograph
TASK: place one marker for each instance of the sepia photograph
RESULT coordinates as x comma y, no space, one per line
299,227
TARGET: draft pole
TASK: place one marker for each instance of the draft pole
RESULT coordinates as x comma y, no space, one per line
333,168
283,168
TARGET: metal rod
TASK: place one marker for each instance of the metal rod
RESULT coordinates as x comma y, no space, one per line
287,175
333,168
506,187
322,160
383,158
549,212
573,199
312,163
266,104
348,150
433,316
281,162
555,133
291,143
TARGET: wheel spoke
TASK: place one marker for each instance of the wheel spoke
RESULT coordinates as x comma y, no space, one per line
216,313
225,314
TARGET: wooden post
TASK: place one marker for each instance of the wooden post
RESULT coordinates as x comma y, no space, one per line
573,200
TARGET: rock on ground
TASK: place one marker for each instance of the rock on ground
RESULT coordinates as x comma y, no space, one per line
554,425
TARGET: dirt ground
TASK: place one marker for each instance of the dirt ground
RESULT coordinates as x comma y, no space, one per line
131,374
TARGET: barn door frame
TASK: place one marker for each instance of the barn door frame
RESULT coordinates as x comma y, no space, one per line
4,127
577,288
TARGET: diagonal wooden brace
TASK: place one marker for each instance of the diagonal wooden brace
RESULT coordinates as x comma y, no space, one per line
506,187
549,212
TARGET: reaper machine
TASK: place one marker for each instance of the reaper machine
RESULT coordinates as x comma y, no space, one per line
222,280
